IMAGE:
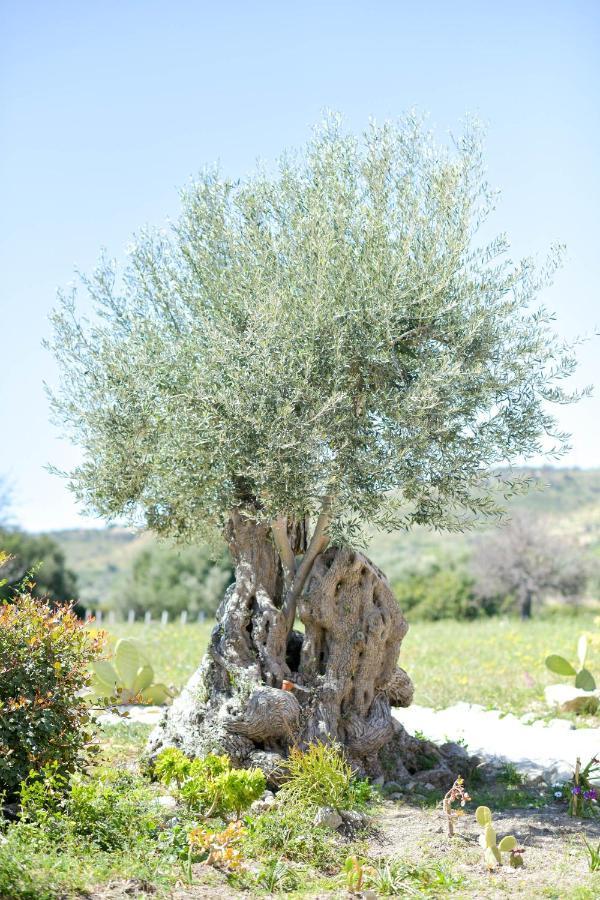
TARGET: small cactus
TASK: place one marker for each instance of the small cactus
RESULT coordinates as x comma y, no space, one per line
492,851
129,678
584,680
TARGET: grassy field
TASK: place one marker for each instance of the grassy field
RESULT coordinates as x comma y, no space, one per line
495,662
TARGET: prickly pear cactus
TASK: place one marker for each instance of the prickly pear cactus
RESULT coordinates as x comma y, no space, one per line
492,851
129,678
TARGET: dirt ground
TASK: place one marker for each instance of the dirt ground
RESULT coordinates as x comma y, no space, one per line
555,860
555,863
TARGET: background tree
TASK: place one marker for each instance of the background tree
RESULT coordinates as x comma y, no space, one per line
523,563
319,348
41,556
162,577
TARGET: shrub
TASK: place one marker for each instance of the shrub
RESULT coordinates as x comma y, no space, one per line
321,776
45,655
110,809
42,555
442,592
209,785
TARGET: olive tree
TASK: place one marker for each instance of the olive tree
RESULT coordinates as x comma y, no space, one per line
324,347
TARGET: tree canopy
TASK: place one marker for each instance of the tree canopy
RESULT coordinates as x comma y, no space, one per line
330,334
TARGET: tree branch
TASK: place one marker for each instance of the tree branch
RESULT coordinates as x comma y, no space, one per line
284,548
318,542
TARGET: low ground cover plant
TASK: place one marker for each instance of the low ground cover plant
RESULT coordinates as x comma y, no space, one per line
209,785
321,776
45,658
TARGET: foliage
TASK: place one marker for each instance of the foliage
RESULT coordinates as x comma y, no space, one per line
76,832
275,875
492,852
397,877
355,869
209,785
161,577
593,856
320,776
584,680
130,679
45,655
524,563
290,832
218,848
580,791
332,330
41,555
111,808
443,591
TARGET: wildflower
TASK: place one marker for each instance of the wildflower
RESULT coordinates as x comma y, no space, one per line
558,793
590,795
576,790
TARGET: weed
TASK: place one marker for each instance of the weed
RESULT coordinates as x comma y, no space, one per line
510,775
320,776
456,793
209,785
593,856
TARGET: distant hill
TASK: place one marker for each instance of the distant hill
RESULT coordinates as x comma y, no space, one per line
568,500
97,556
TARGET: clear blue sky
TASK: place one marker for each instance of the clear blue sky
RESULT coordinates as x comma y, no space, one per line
108,107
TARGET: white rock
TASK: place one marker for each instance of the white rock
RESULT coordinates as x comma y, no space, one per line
328,817
535,749
166,802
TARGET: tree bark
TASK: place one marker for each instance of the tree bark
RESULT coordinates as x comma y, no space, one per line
526,604
264,687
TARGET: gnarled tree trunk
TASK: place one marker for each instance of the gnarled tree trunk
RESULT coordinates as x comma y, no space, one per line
264,687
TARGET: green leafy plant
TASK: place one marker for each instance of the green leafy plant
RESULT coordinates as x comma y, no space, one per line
584,680
593,856
129,678
355,869
321,776
492,852
109,808
45,658
209,785
276,876
289,831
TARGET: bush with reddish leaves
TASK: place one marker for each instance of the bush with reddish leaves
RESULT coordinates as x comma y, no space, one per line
45,657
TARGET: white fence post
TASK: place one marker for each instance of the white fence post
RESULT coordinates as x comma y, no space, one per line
164,617
99,616
183,617
131,617
147,617
88,615
111,617
201,616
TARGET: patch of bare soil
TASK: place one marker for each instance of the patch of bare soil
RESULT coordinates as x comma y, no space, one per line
555,858
207,884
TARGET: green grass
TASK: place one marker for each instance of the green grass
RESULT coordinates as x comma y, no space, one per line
495,662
